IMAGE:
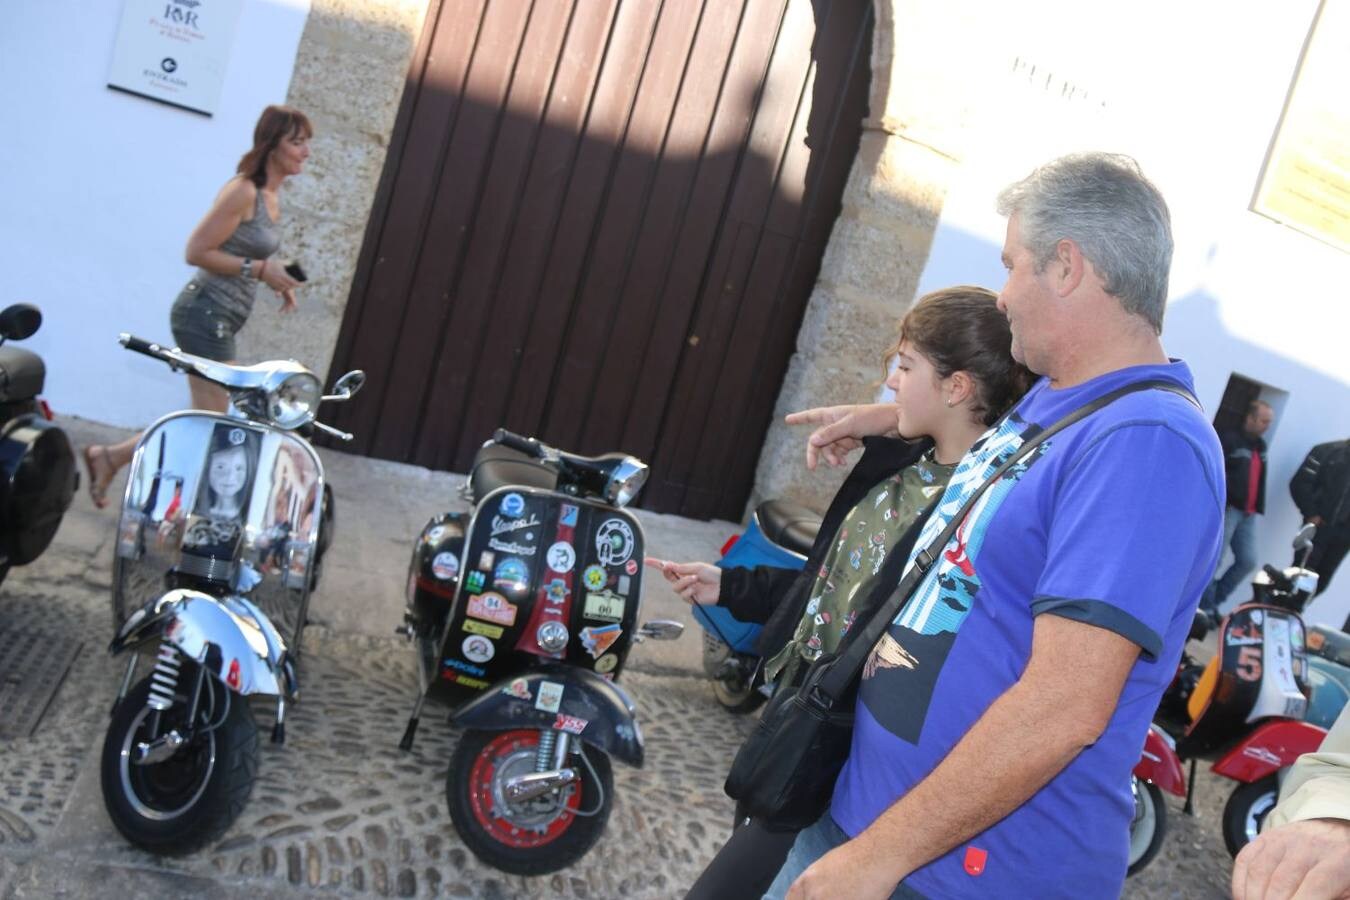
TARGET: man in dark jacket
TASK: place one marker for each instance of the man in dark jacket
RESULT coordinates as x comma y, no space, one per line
1244,455
1321,489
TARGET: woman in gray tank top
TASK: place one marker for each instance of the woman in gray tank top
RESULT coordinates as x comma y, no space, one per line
234,249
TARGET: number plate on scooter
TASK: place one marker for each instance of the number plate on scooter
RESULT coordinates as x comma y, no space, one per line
604,606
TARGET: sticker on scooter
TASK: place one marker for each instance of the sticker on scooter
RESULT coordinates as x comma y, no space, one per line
605,606
599,638
518,688
594,577
561,557
557,591
445,566
485,560
501,525
624,584
492,607
512,547
511,575
568,516
473,626
550,695
478,649
460,665
513,505
475,582
237,436
435,534
570,724
614,542
606,663
631,567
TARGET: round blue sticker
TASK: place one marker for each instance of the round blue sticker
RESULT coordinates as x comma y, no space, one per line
513,505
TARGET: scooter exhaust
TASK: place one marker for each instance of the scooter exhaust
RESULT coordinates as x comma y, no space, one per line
536,784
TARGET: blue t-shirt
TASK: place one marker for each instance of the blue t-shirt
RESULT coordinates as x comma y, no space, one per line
1115,521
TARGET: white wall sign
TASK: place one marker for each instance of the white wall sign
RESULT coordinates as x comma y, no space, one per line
175,51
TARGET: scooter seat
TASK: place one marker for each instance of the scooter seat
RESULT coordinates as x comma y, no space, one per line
495,466
21,374
1329,643
789,525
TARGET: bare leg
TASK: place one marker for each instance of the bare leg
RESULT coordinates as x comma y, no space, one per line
105,461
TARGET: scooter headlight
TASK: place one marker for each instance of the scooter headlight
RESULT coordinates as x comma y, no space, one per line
626,480
294,401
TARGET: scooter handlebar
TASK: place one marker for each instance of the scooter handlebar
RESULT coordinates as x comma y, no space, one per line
141,345
524,445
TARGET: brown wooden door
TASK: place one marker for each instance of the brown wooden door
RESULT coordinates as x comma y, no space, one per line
599,224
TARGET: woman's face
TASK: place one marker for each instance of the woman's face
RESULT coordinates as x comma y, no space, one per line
920,396
291,153
228,472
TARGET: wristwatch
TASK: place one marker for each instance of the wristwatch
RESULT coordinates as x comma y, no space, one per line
246,269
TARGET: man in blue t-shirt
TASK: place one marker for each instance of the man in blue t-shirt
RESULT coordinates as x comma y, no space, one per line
999,718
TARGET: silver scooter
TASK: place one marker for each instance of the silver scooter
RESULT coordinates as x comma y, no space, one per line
221,535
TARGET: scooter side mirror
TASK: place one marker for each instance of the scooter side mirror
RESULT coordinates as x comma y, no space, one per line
1304,538
20,321
348,385
661,630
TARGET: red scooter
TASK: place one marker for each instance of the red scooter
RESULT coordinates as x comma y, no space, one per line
1243,710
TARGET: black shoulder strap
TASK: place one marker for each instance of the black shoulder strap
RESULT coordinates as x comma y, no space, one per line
835,682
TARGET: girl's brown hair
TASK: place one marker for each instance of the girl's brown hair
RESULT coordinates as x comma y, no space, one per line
960,329
277,123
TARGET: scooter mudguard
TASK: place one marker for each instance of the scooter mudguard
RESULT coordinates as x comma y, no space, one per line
229,637
751,549
1268,749
1160,764
434,573
1330,683
569,699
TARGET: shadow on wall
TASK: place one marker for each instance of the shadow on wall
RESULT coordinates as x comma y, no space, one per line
599,223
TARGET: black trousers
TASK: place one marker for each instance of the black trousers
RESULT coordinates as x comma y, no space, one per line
745,866
1329,547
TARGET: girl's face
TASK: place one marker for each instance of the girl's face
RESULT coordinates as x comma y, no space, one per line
228,472
920,396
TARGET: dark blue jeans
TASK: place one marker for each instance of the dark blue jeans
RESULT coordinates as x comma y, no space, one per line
1239,532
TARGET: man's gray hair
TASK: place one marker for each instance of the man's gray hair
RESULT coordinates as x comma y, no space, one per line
1104,204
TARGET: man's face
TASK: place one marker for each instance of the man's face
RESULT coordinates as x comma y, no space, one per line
1027,300
1258,421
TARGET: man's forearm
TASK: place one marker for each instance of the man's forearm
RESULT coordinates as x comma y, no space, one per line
1022,741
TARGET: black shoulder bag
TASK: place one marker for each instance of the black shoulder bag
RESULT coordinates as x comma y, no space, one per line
784,773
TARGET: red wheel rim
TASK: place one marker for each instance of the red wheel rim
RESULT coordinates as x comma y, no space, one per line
481,801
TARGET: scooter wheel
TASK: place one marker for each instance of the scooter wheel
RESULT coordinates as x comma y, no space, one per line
1149,824
531,838
1246,809
188,800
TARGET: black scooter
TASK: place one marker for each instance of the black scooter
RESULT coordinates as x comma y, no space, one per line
38,477
523,614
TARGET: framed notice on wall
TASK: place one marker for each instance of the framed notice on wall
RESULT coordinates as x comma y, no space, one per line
175,51
1306,182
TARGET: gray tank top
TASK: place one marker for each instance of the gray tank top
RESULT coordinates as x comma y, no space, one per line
255,239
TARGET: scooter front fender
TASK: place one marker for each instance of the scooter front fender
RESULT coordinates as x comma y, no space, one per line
1269,749
568,699
228,637
1160,764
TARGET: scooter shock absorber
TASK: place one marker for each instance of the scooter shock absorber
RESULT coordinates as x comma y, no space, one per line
543,756
164,678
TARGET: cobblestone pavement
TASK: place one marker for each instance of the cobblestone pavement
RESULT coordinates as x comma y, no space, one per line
340,811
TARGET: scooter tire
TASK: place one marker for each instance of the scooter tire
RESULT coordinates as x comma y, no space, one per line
1246,809
1149,826
522,844
738,698
190,800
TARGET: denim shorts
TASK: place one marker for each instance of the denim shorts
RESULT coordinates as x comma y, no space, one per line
202,327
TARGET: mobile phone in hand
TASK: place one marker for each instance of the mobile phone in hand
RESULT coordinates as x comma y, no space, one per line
293,269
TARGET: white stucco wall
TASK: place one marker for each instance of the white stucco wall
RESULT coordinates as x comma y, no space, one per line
101,190
1194,92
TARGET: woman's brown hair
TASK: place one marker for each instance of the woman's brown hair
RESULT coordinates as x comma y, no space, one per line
960,329
276,124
